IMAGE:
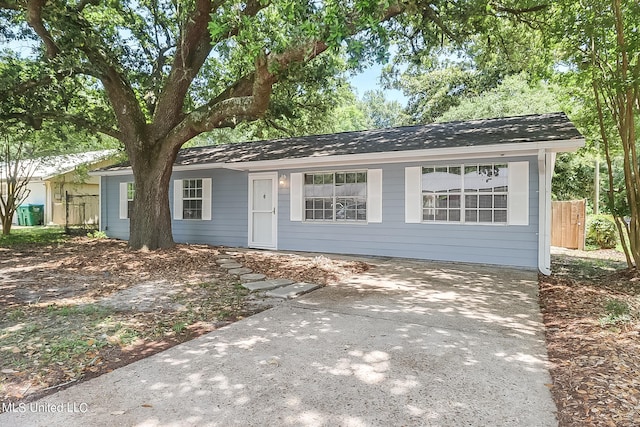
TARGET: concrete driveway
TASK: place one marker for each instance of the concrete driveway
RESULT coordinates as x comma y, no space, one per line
406,343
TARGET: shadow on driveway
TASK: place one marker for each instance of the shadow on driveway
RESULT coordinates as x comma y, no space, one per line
405,343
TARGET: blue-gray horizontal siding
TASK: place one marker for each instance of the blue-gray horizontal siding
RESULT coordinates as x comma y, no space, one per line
110,221
488,244
229,213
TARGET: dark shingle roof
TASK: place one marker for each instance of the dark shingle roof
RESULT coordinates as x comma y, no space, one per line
544,127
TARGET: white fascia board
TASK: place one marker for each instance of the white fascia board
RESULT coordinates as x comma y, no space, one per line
433,154
177,168
126,171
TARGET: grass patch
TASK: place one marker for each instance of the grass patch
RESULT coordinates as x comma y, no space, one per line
616,311
33,236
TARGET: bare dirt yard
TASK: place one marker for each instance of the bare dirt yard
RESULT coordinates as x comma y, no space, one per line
72,309
591,308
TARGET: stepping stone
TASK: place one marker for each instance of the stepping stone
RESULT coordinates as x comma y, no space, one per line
231,265
223,259
266,285
292,291
252,277
239,271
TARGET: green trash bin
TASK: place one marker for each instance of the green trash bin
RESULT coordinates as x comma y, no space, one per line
31,215
37,214
22,214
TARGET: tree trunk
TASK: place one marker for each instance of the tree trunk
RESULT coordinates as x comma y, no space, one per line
6,224
150,224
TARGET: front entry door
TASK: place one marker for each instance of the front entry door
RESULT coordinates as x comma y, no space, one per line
263,218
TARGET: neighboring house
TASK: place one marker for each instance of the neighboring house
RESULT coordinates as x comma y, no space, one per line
58,176
477,191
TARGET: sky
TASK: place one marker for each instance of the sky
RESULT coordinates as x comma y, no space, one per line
369,79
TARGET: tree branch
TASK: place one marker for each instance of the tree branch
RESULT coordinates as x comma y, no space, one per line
194,46
35,121
519,11
34,19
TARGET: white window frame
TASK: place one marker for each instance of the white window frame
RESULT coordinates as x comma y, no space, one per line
462,193
178,199
186,189
124,198
334,220
517,194
131,194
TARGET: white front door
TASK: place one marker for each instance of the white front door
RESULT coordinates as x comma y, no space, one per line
263,218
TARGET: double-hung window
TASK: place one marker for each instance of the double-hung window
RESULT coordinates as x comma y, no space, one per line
335,196
127,195
131,192
192,199
468,193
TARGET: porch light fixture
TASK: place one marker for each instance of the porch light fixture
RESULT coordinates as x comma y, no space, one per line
283,181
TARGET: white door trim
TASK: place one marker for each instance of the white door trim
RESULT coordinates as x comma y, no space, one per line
274,197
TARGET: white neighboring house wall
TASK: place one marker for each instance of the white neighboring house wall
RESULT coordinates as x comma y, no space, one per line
37,196
41,194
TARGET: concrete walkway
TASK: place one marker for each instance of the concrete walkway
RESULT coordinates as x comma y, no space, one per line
406,343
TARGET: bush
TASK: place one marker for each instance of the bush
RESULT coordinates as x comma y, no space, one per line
601,232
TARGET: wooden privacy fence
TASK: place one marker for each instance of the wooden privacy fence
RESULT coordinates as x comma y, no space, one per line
568,224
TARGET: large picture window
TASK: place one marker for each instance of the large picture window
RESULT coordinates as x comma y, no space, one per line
475,193
192,199
335,196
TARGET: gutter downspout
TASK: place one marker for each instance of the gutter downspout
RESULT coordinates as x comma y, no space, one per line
100,224
546,163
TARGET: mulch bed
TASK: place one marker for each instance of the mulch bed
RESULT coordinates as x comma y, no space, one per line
595,363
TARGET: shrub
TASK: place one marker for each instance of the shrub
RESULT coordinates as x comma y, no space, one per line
601,232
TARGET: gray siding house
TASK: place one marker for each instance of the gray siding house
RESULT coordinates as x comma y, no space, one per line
476,191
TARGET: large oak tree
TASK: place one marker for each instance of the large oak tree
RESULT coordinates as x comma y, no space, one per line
156,73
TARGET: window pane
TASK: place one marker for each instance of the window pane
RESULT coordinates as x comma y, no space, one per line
471,201
500,201
362,177
471,216
328,178
441,214
308,178
308,214
485,216
454,215
454,201
340,178
500,216
486,201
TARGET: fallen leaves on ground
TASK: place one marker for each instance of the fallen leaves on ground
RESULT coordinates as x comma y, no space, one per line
319,269
595,364
55,329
